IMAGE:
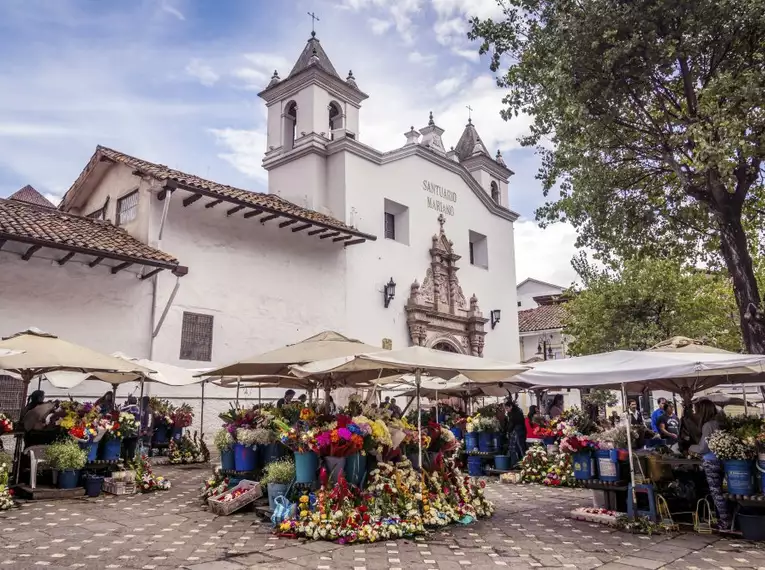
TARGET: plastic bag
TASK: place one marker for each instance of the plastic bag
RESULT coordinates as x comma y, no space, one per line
282,510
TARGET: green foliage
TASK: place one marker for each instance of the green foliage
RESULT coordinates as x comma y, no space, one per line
66,455
600,398
649,301
281,471
648,117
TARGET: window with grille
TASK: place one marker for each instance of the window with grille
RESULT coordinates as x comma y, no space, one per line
390,226
11,392
97,215
127,208
196,337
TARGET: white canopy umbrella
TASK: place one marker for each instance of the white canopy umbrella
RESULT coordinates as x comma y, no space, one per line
417,359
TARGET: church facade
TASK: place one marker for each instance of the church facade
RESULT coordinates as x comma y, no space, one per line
409,246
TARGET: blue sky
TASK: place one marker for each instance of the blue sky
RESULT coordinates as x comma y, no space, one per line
176,82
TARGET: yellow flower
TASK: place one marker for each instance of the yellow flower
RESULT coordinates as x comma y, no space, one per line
304,499
303,514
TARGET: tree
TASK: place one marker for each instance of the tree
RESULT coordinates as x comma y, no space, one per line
648,301
648,116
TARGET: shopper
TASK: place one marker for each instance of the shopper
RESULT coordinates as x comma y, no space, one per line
707,415
657,414
556,407
669,424
288,395
636,418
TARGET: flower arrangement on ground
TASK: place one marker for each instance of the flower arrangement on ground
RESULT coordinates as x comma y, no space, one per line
535,465
560,471
145,479
6,494
215,485
188,450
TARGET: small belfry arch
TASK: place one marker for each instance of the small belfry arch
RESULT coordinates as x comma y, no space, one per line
438,315
495,192
335,116
290,121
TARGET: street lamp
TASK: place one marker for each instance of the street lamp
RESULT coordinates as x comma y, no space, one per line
495,315
389,291
544,348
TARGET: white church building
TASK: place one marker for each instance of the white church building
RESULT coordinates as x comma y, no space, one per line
409,246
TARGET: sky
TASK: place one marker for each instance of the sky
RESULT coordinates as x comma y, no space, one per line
176,82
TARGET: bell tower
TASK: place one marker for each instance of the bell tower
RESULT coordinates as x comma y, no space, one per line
307,110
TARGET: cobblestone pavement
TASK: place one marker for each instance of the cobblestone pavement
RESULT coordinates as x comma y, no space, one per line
169,529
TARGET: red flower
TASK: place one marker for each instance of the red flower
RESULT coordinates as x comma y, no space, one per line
343,421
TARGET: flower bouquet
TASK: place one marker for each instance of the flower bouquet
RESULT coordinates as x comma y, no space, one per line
572,444
182,417
188,450
341,441
6,493
6,425
729,447
535,465
560,471
145,480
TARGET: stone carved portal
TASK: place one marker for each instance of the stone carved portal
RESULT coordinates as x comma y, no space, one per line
438,315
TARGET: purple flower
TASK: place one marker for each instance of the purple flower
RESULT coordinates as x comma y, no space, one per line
344,433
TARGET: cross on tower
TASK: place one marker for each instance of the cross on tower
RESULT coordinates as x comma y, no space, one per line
314,19
470,111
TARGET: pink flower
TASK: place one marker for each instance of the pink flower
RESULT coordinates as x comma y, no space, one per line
344,433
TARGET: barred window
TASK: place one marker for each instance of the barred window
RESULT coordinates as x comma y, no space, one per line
127,208
11,392
196,337
390,225
97,215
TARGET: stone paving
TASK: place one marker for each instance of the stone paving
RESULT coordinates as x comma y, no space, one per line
529,531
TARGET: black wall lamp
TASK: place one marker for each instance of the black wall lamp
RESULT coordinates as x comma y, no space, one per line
495,314
389,292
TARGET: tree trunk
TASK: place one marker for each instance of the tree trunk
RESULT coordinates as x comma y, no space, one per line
733,245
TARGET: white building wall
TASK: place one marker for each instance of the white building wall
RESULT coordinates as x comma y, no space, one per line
531,289
373,264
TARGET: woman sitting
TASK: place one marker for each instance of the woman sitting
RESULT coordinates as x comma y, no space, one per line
532,428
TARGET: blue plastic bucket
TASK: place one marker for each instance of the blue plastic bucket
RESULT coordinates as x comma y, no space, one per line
306,465
93,485
502,462
608,465
486,442
475,466
245,457
68,478
471,441
740,477
356,469
761,471
160,434
271,452
499,440
92,449
227,462
584,465
456,431
110,449
441,418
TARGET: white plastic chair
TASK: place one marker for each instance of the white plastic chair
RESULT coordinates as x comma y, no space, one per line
36,459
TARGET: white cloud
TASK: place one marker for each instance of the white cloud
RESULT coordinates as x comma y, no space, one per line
26,130
447,86
421,59
204,73
245,150
175,12
378,26
545,253
55,199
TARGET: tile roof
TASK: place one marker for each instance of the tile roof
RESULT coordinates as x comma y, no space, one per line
51,227
322,59
466,144
542,318
31,196
267,202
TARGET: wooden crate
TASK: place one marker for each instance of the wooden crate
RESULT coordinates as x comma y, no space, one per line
252,493
119,487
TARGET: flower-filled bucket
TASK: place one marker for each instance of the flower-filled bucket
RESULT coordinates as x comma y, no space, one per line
227,460
486,442
110,449
608,465
68,478
245,457
335,466
306,465
584,465
471,441
271,452
456,431
356,469
92,448
740,476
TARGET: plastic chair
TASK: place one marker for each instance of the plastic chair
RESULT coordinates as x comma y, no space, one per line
36,455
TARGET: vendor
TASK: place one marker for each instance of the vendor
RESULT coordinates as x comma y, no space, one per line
636,418
532,429
669,424
516,428
39,420
706,414
556,407
105,403
288,395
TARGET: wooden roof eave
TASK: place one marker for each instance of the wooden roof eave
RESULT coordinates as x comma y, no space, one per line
361,237
175,268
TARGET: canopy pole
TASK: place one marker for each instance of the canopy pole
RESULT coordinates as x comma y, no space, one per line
202,415
327,390
114,396
629,438
259,403
39,382
746,404
417,380
437,407
238,381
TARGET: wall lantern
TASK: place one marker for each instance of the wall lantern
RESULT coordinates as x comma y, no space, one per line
495,314
389,292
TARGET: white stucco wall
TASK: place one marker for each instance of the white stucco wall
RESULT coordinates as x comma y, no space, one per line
86,305
372,265
530,289
530,343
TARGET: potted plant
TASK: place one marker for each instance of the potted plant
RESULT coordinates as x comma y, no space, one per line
277,476
224,441
68,459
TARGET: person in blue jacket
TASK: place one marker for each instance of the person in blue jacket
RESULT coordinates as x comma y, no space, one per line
657,413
